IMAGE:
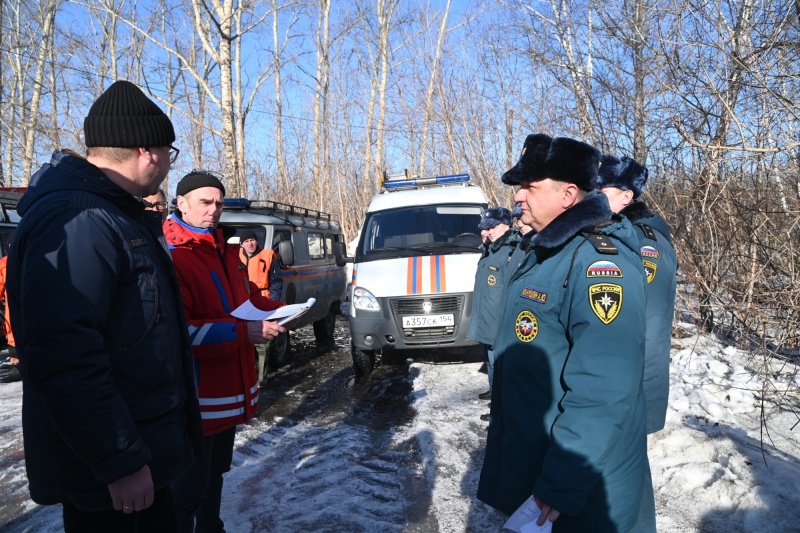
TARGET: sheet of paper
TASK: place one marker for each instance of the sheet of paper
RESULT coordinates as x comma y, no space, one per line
524,519
247,311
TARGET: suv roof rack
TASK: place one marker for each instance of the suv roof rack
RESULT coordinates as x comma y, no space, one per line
275,208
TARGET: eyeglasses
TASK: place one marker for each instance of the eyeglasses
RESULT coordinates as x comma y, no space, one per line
173,154
157,206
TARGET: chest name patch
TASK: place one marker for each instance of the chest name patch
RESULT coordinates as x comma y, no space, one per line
649,251
526,326
135,243
491,280
533,294
603,269
650,269
494,268
605,299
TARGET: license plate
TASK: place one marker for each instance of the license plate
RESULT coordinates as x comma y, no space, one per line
428,321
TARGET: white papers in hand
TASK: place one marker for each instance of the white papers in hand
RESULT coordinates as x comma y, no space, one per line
524,519
247,311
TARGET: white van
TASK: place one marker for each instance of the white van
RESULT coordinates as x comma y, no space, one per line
414,267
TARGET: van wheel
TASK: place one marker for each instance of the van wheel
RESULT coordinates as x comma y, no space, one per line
324,327
363,361
278,353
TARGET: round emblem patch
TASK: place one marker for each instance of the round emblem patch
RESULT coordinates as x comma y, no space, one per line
527,326
491,280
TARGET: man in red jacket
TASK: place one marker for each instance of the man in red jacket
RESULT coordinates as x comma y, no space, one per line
213,283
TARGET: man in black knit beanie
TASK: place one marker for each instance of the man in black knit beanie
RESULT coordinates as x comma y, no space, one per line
110,413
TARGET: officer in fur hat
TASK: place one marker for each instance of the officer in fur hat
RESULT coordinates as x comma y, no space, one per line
623,181
490,285
110,412
568,414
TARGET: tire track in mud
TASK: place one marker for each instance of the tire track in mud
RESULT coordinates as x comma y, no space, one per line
322,454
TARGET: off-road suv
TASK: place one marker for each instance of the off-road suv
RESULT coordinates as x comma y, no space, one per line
8,217
303,240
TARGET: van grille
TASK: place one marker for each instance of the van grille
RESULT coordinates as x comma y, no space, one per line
439,305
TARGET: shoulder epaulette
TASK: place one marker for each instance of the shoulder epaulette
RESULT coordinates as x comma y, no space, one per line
648,231
600,241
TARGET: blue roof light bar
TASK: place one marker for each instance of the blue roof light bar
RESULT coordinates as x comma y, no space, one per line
412,183
242,203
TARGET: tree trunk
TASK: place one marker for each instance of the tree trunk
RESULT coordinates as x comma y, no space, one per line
429,96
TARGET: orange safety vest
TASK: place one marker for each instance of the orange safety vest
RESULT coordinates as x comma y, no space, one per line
6,322
258,267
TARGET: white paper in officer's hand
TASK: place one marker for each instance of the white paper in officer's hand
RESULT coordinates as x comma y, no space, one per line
524,519
247,311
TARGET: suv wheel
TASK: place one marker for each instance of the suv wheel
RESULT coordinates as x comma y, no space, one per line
363,360
324,327
278,353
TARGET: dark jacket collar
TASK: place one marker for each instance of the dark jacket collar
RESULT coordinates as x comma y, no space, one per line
591,210
636,211
66,172
639,212
501,240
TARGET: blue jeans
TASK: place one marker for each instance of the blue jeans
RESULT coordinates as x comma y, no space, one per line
198,493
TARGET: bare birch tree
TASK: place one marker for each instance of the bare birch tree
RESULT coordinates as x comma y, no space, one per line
431,84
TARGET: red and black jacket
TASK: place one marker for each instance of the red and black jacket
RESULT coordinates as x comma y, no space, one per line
213,283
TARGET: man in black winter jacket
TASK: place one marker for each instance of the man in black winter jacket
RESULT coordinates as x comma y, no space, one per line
109,414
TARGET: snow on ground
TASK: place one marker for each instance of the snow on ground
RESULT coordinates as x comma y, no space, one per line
711,472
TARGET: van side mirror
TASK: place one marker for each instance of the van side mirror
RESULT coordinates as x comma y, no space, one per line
340,254
286,252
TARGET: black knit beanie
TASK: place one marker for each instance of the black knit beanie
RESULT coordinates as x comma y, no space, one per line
197,179
248,234
124,117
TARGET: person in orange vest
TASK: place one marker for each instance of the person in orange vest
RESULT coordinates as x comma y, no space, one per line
263,266
6,321
263,269
8,366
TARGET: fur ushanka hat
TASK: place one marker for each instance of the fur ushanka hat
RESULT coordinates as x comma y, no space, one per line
494,217
623,173
561,159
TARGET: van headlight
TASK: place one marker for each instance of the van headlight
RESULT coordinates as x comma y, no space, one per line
364,300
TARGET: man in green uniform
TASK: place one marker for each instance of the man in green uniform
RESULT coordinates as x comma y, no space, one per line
568,414
489,286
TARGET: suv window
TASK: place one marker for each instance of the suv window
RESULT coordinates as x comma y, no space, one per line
316,246
278,236
329,245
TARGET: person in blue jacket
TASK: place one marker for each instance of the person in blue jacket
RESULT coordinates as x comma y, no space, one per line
623,180
110,415
489,285
568,415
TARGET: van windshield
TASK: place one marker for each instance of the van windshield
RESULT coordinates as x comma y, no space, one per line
431,229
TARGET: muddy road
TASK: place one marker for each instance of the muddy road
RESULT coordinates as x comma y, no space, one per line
327,451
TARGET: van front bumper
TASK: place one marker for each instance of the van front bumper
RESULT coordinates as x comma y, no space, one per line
382,330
